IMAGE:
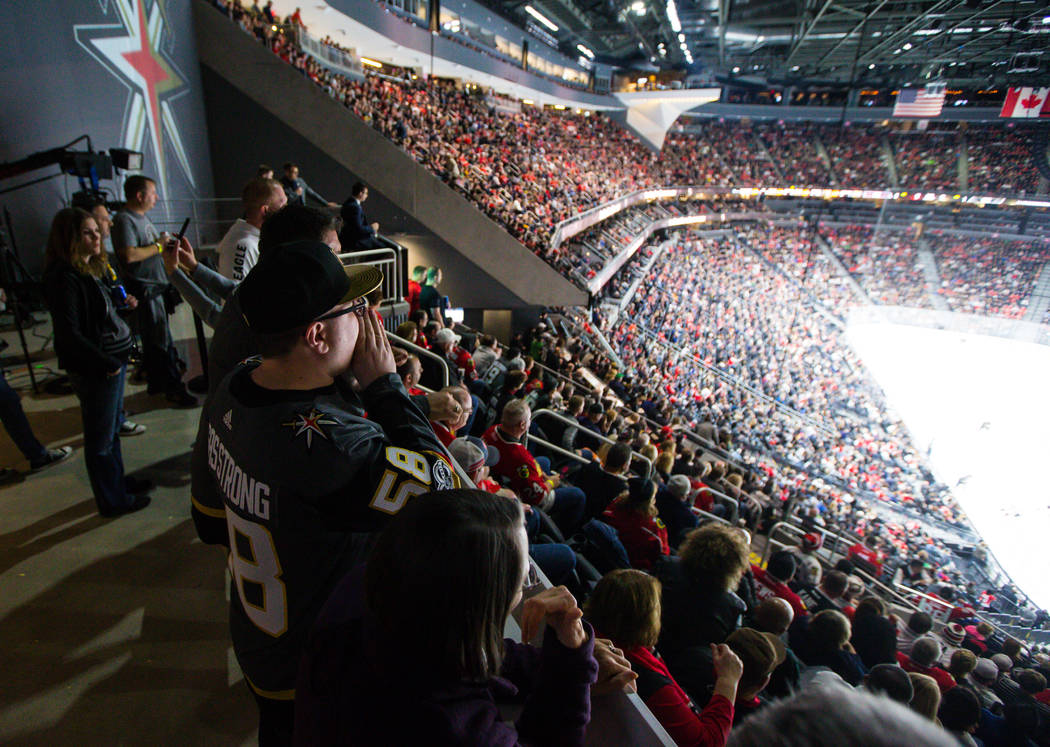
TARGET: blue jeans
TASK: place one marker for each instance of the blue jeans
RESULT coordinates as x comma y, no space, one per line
101,407
569,502
557,561
14,419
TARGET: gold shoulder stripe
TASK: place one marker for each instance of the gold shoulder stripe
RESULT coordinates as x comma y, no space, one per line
215,513
270,694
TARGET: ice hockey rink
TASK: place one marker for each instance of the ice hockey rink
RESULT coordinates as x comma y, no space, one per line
981,405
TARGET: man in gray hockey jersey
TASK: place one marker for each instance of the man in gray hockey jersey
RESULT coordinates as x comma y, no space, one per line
286,477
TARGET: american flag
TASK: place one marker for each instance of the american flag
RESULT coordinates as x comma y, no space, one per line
920,102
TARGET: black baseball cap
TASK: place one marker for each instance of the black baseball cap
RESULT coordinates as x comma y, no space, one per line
293,286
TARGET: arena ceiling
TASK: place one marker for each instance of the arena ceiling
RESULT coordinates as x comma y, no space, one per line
834,41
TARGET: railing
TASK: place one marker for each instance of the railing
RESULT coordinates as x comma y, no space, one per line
937,608
402,342
209,218
347,63
386,260
604,439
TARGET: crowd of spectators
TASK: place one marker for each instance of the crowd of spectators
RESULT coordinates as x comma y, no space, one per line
1000,160
856,156
885,263
927,161
987,275
796,150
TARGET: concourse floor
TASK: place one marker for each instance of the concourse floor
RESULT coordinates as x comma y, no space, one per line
114,631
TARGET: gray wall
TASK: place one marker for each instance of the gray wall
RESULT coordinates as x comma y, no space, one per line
262,110
58,84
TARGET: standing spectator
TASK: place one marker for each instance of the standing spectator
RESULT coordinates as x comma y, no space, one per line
92,343
17,426
923,659
633,516
137,246
297,190
283,460
414,287
358,234
430,300
239,248
564,503
625,606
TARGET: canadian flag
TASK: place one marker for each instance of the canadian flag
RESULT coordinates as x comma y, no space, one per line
1027,103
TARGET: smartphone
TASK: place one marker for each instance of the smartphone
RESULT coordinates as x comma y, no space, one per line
182,231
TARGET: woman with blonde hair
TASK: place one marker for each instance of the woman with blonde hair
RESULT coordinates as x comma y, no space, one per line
92,343
625,607
926,697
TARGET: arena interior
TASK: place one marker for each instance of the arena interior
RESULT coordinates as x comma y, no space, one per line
697,348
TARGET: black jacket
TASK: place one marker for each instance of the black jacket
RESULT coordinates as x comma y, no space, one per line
693,614
79,311
355,225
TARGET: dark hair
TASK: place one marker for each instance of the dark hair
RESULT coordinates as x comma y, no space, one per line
134,184
618,457
959,709
638,499
890,680
782,566
920,622
293,223
835,583
357,188
1031,681
829,630
290,165
277,344
870,606
440,583
263,168
625,607
64,239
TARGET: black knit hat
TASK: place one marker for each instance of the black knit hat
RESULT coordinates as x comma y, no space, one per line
291,287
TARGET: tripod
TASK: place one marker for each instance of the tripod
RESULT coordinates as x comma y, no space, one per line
16,280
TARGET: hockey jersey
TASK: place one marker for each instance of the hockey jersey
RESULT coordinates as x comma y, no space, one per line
519,468
293,484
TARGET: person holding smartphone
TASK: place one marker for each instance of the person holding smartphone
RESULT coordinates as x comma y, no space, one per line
92,342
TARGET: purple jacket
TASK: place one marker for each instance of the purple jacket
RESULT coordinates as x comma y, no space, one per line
344,696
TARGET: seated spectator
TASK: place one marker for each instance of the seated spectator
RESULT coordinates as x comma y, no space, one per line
447,429
919,624
408,331
809,571
488,351
1020,724
981,680
976,637
926,698
773,581
823,641
672,503
891,681
633,516
923,659
761,654
961,665
603,481
523,472
874,636
429,647
625,607
461,364
952,637
775,616
826,597
411,370
960,714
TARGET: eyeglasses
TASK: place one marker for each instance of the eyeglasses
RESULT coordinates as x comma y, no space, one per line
357,307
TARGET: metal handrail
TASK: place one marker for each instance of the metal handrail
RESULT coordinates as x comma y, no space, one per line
402,342
558,449
710,516
772,530
901,600
724,497
599,436
946,606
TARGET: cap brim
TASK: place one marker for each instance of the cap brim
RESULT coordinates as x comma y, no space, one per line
363,280
778,646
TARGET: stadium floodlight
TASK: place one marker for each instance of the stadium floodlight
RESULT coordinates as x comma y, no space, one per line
541,18
370,63
585,50
638,6
672,16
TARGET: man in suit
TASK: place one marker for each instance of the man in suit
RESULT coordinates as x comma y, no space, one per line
358,233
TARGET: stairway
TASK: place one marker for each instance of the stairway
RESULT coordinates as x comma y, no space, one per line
769,156
1040,301
862,297
826,158
891,163
931,275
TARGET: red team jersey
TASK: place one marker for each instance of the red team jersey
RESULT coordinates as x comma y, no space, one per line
519,467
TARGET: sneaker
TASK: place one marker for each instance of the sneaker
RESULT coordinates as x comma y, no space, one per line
181,398
53,457
127,428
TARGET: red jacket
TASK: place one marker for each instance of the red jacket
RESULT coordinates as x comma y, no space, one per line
672,707
519,467
413,297
944,680
766,587
464,361
644,537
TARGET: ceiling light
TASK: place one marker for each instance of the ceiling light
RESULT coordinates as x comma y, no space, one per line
736,70
541,18
681,37
672,16
638,7
907,45
585,51
871,66
794,68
